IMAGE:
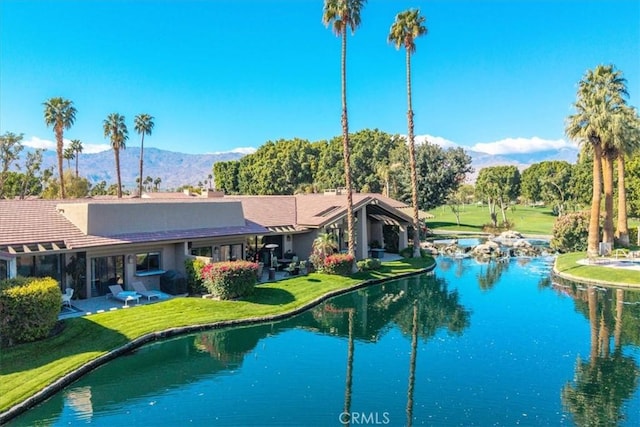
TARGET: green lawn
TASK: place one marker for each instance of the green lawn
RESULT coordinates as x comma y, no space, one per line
28,368
567,264
528,220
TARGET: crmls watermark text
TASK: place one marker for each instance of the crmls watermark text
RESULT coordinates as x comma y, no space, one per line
364,418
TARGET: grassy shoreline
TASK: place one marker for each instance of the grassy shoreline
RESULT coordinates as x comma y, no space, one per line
566,266
30,372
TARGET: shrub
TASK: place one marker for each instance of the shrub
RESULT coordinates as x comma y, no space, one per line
570,232
408,252
193,267
369,264
29,309
228,280
340,264
633,235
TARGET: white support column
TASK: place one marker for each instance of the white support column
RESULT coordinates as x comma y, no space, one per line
362,238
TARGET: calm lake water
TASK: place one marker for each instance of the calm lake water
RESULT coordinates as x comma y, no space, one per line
473,345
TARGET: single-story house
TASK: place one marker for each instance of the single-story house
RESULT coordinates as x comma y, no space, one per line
90,244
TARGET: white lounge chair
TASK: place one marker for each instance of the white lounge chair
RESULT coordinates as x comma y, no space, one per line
140,288
125,296
66,297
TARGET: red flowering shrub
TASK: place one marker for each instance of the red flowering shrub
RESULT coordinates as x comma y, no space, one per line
340,264
228,280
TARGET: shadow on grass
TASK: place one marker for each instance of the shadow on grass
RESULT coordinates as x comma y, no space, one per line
80,335
270,296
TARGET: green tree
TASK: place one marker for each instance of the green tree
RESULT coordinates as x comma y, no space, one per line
31,183
143,124
226,176
77,187
76,146
549,182
498,185
600,97
408,26
61,114
116,129
10,148
100,189
156,184
341,14
439,173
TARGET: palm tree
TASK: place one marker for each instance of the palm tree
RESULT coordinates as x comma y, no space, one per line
342,14
408,26
61,114
76,146
115,129
68,155
143,124
156,183
600,96
626,142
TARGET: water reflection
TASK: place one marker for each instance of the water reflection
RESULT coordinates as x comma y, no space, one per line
474,345
603,383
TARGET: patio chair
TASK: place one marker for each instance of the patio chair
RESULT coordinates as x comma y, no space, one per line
66,297
140,288
125,296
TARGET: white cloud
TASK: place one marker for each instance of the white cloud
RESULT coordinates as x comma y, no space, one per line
437,140
521,145
240,150
35,142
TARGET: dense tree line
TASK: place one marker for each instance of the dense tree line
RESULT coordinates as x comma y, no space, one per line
378,163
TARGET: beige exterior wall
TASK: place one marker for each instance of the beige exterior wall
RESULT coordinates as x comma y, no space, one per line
105,219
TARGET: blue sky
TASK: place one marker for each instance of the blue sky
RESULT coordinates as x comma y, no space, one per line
223,74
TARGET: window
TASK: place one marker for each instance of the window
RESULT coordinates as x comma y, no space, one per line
148,262
231,252
106,271
206,251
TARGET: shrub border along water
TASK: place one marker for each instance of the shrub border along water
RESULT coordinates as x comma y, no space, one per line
79,372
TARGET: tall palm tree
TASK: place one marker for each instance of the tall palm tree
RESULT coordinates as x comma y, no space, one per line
343,14
115,129
408,26
76,146
143,124
626,142
61,114
600,96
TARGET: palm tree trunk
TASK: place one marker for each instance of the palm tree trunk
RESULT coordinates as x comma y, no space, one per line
412,163
349,375
77,155
593,323
59,151
622,231
345,149
594,218
607,178
605,315
141,162
412,365
116,153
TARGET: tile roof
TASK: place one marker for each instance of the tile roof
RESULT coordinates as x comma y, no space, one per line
38,221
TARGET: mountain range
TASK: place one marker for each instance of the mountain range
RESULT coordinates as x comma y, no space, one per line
176,169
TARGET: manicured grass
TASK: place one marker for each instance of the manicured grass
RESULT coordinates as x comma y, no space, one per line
28,368
528,220
567,264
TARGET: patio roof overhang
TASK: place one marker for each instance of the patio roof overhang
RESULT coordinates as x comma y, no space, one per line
35,247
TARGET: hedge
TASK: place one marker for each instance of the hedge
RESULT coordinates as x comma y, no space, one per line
29,309
340,264
193,268
369,264
232,279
